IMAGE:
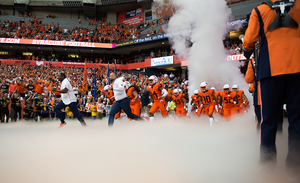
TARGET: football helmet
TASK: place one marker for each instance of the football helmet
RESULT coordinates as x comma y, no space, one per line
106,88
235,87
203,86
226,88
186,83
175,92
152,80
196,92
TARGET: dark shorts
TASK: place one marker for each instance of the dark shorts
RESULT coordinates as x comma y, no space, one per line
13,114
37,112
45,115
52,115
5,111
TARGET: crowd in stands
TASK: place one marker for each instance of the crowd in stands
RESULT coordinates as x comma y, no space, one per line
234,49
140,57
26,91
104,32
30,87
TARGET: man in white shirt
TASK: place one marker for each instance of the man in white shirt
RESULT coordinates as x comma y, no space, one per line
68,98
122,101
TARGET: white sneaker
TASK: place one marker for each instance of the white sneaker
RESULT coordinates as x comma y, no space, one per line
151,119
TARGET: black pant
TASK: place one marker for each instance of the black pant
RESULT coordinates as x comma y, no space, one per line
122,104
73,108
275,91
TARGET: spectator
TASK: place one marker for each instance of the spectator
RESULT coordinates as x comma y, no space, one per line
28,113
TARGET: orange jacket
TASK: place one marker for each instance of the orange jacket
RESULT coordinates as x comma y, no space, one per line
279,50
250,79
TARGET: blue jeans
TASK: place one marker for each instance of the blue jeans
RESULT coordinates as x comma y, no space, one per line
122,104
108,108
73,108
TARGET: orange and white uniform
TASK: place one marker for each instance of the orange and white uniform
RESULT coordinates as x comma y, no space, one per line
196,102
110,96
180,105
206,98
240,107
135,105
157,104
228,103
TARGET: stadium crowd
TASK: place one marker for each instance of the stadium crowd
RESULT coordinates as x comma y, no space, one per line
26,92
139,57
104,32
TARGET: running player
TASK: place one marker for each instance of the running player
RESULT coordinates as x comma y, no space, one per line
228,100
180,103
207,98
195,102
157,96
135,102
242,99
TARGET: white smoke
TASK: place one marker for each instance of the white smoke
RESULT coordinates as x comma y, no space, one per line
167,150
204,23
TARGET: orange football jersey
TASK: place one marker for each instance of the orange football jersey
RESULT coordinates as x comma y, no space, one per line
228,99
206,97
179,103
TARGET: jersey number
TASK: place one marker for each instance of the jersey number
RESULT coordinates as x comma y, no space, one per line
207,99
227,100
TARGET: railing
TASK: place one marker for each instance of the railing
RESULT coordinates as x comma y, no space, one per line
107,2
232,2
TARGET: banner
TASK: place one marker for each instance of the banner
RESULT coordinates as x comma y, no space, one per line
131,17
236,57
143,40
148,17
56,43
162,61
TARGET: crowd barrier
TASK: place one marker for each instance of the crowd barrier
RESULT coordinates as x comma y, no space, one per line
147,63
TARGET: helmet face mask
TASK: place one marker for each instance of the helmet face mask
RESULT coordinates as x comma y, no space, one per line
226,88
152,80
196,92
203,86
106,88
176,92
235,88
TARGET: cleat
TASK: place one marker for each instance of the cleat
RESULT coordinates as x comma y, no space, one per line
62,124
146,118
